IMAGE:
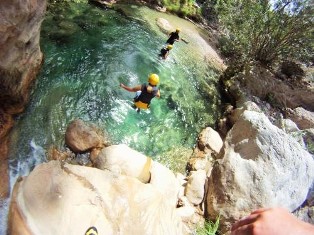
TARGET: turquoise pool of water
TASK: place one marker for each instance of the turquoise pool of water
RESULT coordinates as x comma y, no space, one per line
88,52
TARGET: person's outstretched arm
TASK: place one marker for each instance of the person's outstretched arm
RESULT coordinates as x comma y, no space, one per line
158,94
131,89
271,221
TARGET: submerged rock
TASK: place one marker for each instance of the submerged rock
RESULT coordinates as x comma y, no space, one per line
164,25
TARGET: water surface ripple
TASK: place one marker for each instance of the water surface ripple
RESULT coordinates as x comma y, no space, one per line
88,52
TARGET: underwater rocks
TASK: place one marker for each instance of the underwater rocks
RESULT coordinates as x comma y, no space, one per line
164,25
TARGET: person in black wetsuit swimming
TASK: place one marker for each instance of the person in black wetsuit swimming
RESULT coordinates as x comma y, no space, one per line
174,37
145,92
164,52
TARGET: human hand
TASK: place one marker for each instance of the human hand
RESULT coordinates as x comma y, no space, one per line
122,85
271,221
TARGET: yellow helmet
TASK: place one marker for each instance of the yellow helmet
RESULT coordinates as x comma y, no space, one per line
178,30
169,47
153,79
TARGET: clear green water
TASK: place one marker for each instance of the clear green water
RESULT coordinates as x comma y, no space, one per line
88,52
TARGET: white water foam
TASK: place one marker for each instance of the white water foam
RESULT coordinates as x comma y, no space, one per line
20,168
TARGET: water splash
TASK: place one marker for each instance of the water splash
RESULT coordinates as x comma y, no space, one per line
18,168
23,165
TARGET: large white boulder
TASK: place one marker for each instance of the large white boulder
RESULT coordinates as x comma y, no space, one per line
195,188
210,140
262,166
121,159
68,199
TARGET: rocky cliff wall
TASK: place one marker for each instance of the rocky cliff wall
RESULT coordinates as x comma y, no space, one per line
20,61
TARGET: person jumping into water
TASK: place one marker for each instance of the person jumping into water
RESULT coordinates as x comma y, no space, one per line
164,52
174,37
145,92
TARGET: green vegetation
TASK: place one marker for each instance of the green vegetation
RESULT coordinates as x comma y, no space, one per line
60,1
176,158
183,8
209,228
259,31
253,29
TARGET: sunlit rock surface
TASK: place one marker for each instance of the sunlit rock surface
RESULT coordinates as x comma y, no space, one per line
67,199
261,166
260,82
120,159
82,136
303,118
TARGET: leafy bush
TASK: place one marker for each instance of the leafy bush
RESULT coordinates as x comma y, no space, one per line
209,10
227,49
268,33
210,228
183,8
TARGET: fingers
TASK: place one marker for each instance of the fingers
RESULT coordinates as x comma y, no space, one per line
245,221
245,225
249,219
243,230
260,210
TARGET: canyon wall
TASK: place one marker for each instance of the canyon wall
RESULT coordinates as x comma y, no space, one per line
20,62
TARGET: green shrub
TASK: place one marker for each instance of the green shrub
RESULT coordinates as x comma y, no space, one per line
273,101
268,33
183,8
209,228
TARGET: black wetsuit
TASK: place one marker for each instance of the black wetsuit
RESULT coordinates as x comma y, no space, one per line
163,52
173,37
146,96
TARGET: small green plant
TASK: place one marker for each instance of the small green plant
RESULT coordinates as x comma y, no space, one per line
209,228
183,8
272,100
